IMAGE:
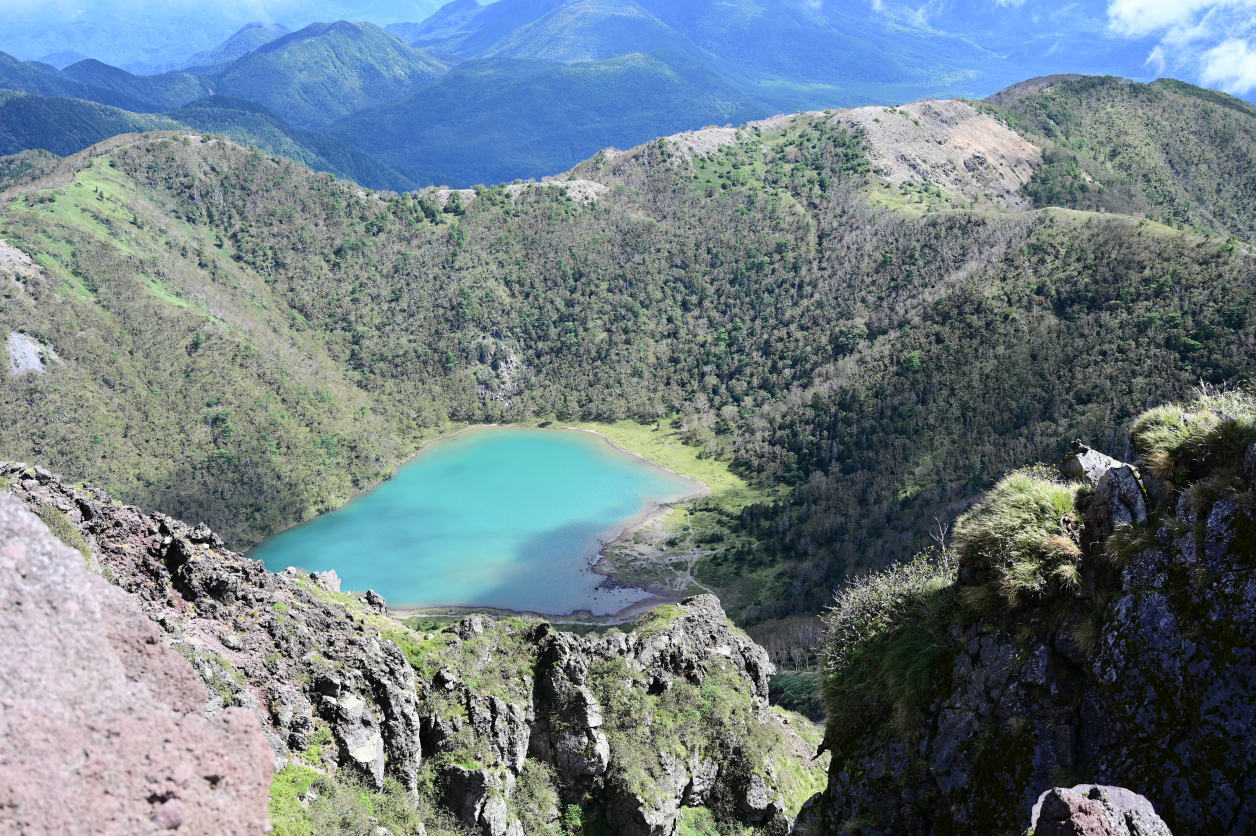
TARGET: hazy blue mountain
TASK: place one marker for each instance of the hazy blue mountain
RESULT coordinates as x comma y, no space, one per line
801,53
326,71
65,126
250,123
61,60
158,92
784,53
452,20
139,37
250,37
46,80
498,119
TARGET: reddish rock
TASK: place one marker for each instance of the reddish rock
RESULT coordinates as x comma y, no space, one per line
1067,813
100,723
1094,810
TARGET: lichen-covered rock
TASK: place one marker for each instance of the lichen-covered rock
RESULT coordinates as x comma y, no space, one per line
100,723
631,812
478,796
1091,810
1087,465
1063,812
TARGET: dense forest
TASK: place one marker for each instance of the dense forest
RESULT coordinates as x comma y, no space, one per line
243,341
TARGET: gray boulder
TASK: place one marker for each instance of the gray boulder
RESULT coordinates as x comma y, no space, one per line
1087,465
655,813
375,601
359,738
1119,495
477,796
328,580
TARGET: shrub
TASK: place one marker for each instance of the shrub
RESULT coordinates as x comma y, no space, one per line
1178,446
1023,534
536,800
885,633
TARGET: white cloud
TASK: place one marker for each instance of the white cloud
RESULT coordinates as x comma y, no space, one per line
1209,38
1139,18
1230,65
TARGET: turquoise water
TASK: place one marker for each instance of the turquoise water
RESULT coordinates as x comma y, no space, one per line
494,517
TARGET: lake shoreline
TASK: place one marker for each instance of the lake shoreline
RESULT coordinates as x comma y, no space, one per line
621,530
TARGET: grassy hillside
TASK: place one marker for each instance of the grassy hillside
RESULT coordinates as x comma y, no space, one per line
500,119
1176,153
247,342
327,70
65,126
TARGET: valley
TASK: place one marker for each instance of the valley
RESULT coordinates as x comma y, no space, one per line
863,330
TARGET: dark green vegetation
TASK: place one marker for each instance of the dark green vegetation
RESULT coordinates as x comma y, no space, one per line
28,77
248,343
65,126
250,123
1180,154
499,119
327,70
158,92
885,633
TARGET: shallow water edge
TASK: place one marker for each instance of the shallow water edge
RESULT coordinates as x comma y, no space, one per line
587,560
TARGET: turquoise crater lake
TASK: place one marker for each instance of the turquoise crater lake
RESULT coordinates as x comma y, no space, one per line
494,517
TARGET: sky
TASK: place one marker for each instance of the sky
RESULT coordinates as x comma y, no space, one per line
1210,42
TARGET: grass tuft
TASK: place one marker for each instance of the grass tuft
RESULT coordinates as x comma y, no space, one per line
885,633
1023,534
1177,446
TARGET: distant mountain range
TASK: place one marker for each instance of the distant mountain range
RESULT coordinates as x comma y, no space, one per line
497,119
523,88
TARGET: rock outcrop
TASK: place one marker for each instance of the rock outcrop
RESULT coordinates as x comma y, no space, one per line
1090,810
101,726
337,684
1142,675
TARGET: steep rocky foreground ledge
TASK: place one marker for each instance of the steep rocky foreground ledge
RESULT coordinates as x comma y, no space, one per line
1097,624
497,727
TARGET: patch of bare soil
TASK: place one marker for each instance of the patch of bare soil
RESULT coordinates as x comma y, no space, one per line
16,262
949,144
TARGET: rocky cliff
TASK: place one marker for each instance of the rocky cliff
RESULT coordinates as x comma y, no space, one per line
505,727
1097,624
101,726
